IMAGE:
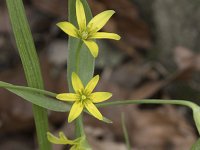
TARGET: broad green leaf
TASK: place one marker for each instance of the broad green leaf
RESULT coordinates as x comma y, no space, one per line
85,67
196,145
80,62
31,65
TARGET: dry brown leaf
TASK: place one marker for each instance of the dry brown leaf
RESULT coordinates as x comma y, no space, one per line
147,90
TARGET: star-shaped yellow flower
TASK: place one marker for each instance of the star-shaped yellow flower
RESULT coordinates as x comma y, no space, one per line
89,32
83,97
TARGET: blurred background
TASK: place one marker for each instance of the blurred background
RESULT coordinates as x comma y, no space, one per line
157,57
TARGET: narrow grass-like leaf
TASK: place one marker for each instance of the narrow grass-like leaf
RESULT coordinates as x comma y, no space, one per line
125,132
30,63
37,97
41,98
42,101
28,89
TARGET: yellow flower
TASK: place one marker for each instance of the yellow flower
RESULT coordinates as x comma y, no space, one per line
83,97
89,32
62,140
77,144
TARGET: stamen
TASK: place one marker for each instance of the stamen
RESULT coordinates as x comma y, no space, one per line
84,35
83,97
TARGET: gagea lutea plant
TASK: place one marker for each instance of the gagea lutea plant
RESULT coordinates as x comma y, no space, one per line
81,82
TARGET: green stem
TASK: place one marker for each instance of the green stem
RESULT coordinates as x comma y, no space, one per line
78,55
195,108
148,101
125,132
79,126
79,130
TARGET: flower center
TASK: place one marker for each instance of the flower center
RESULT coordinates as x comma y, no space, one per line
84,35
83,97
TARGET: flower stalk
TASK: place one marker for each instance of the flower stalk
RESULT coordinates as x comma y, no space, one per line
79,127
148,101
195,108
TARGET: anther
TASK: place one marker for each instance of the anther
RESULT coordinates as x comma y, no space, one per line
84,35
83,97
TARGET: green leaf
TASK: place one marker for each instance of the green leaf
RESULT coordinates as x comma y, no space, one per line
85,68
125,131
42,101
79,59
37,97
25,43
41,98
28,55
196,145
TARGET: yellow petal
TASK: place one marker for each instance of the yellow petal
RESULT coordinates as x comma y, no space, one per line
92,84
62,140
68,28
75,111
62,136
76,83
74,147
80,15
105,35
98,97
93,110
67,96
100,20
93,47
